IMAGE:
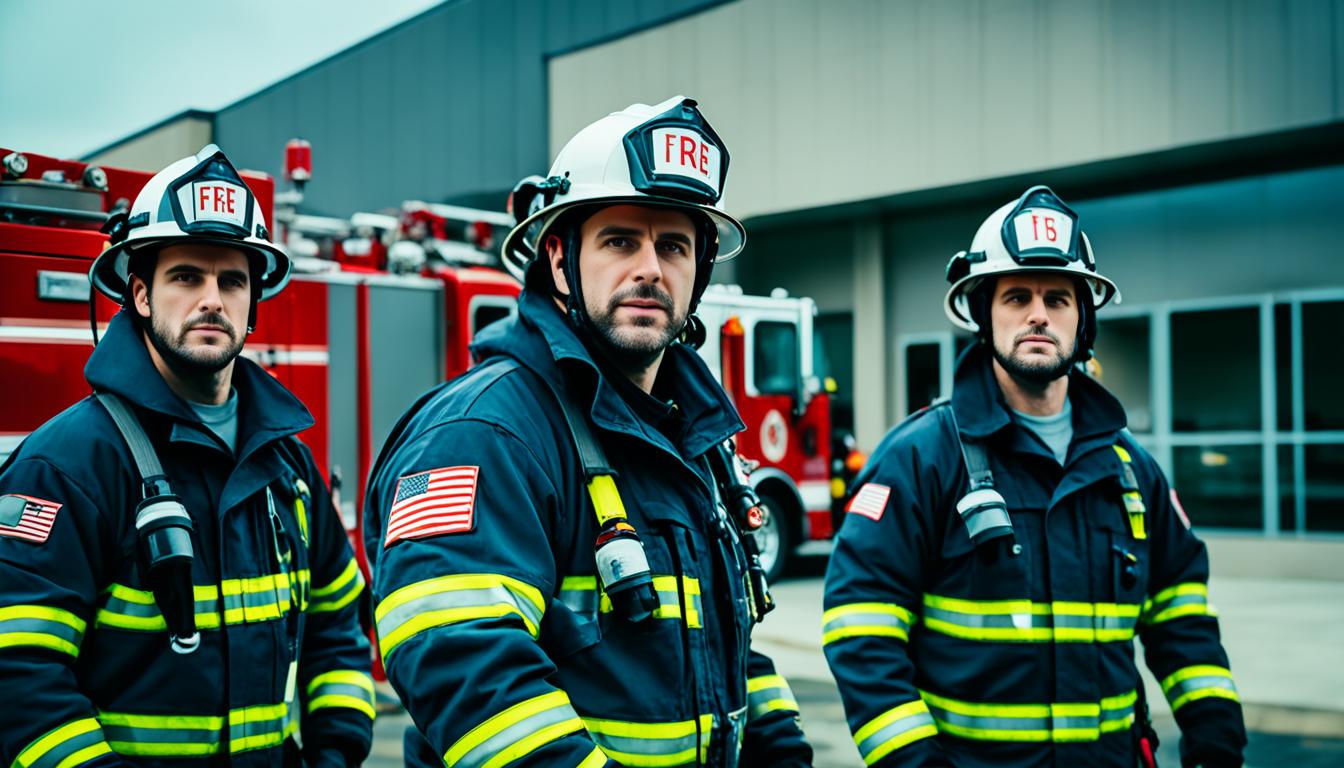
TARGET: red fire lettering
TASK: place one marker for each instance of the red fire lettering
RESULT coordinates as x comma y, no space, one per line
202,195
231,195
704,159
668,138
1050,233
688,151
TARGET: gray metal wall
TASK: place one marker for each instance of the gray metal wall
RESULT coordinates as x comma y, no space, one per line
448,106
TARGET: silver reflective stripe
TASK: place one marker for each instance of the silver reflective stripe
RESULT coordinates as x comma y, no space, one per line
56,629
1058,722
645,746
916,719
581,600
501,741
457,598
132,740
1190,685
989,723
265,598
768,693
84,735
1030,621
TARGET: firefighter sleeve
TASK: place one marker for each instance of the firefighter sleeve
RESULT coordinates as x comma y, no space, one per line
773,736
53,545
334,685
456,522
873,596
1180,636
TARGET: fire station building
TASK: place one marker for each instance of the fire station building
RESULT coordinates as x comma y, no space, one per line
1202,144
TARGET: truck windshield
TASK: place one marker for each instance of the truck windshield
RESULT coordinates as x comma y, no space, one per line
775,358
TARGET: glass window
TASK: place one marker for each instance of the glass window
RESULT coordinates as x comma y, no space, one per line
1324,465
487,314
1215,370
1283,365
775,356
1122,351
833,335
1220,486
923,375
1287,496
1322,365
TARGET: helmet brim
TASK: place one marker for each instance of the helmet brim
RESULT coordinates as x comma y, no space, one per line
110,271
518,254
957,307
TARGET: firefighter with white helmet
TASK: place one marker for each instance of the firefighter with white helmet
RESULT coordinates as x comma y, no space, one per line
1004,548
554,511
178,587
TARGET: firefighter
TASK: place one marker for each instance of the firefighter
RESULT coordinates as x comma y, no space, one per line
178,589
554,581
1005,547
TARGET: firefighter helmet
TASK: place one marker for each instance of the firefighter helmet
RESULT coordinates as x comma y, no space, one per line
664,155
196,199
1036,233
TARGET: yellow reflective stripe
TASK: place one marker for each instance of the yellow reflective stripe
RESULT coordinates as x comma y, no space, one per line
1057,722
678,598
1197,682
517,731
342,591
249,728
301,509
864,620
1026,621
769,693
595,759
245,737
135,609
454,599
65,745
1123,454
40,626
894,729
651,745
691,589
1184,599
342,688
606,499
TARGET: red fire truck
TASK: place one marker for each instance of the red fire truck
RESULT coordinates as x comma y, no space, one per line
380,309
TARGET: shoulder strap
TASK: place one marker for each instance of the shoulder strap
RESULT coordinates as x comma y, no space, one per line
983,508
974,454
146,460
598,475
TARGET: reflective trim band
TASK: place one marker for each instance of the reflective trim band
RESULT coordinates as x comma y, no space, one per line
454,599
39,626
340,592
1022,621
249,728
595,759
1123,454
675,601
652,745
1198,682
515,732
255,599
894,729
864,620
1134,507
1031,722
768,693
582,596
71,744
300,508
342,688
1186,599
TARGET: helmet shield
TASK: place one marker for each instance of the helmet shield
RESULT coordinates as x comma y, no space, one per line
678,155
211,200
1042,231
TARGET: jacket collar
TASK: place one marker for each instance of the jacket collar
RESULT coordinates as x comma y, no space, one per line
542,339
980,410
121,364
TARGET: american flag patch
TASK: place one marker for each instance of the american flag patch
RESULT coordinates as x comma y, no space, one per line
432,503
24,517
870,501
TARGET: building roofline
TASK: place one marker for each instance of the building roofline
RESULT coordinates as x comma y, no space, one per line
186,114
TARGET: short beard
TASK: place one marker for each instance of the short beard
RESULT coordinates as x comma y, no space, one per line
187,361
631,352
1035,373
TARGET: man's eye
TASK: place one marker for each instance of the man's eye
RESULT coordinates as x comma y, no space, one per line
620,242
672,246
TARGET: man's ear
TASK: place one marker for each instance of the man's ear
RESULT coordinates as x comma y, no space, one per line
555,253
139,294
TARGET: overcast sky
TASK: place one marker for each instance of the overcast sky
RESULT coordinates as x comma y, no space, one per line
78,74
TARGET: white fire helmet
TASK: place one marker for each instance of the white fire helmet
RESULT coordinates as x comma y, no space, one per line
1035,233
665,155
199,199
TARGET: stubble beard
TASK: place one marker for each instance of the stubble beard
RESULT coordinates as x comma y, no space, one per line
1038,373
200,360
630,348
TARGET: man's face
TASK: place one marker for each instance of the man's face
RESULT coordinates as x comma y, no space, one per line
637,267
1034,321
198,306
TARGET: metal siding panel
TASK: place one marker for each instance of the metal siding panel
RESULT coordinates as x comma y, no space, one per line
954,94
1139,72
1260,64
1201,66
1013,83
901,71
1312,69
1075,97
400,372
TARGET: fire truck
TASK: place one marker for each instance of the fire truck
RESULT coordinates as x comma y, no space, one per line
380,308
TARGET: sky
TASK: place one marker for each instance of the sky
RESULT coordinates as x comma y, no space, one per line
76,75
